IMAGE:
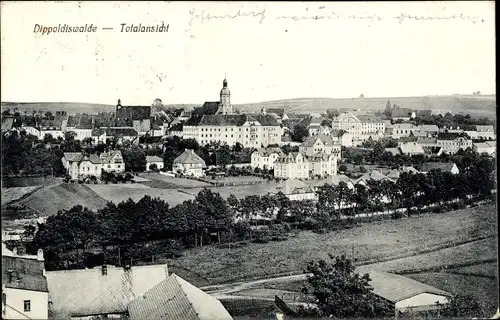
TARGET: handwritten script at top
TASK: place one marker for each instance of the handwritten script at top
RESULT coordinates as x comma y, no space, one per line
260,15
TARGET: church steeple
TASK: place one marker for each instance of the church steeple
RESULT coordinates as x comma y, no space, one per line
225,99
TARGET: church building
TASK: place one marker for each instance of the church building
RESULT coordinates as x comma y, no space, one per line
226,126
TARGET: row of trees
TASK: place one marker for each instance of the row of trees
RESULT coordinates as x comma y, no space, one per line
211,219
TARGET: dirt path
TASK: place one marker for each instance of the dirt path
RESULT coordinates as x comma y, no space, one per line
235,289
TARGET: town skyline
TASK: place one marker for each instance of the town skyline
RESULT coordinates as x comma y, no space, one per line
187,64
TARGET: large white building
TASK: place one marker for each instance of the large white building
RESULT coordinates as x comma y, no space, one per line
320,144
451,142
358,125
25,293
263,158
297,165
250,130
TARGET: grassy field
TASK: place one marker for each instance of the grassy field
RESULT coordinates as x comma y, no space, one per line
485,249
483,269
243,191
48,200
368,242
166,182
13,194
239,179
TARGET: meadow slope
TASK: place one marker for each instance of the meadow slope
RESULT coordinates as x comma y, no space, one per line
369,242
49,200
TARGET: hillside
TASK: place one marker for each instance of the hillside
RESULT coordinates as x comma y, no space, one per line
70,107
475,105
49,200
479,106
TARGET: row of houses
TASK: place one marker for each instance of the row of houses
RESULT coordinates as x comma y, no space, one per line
296,189
79,165
444,142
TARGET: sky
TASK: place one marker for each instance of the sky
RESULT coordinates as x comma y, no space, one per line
268,51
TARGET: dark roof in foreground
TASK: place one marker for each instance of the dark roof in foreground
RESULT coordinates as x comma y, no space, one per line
87,292
27,273
396,288
176,299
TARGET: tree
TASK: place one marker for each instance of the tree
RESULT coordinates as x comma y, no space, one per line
461,306
341,292
361,96
342,168
135,159
332,113
388,109
29,231
326,123
300,133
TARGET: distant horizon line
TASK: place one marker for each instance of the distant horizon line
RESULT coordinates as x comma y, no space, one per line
265,101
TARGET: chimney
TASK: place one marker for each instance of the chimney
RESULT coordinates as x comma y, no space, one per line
39,255
166,270
104,269
14,250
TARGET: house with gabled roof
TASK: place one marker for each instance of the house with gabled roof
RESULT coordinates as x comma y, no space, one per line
429,129
190,164
263,158
320,144
486,132
443,166
411,149
335,181
175,298
80,165
405,295
373,175
98,135
295,189
25,293
154,160
122,134
399,130
100,291
489,147
112,161
404,114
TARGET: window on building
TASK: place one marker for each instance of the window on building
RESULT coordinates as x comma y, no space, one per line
118,166
109,166
27,305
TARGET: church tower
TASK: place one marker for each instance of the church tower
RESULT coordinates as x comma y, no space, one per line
225,106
